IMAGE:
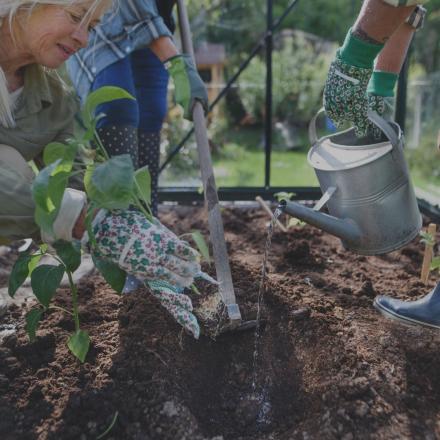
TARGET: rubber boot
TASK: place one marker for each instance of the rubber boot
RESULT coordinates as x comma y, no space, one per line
120,139
425,311
149,154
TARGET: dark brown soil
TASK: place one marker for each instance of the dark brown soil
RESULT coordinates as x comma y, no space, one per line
328,365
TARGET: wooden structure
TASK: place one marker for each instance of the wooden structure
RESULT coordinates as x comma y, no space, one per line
210,61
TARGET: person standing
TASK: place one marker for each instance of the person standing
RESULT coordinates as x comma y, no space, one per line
133,49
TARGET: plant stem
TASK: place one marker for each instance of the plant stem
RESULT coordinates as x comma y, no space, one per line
101,146
141,207
74,299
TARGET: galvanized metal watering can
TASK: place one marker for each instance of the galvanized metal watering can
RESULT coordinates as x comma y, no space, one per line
366,187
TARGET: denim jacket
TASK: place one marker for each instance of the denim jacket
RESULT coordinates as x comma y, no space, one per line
134,25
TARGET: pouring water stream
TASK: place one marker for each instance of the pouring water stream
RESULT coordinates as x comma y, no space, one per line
260,396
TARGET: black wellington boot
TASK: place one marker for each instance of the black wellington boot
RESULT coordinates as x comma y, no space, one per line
149,154
425,311
120,139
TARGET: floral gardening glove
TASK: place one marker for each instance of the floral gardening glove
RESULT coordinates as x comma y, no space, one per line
345,96
177,304
149,251
189,87
153,254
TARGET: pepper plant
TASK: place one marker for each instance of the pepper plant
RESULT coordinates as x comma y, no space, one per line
110,183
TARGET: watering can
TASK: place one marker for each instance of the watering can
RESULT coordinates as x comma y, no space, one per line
367,189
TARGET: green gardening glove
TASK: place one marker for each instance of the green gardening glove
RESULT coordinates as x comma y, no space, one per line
345,95
189,87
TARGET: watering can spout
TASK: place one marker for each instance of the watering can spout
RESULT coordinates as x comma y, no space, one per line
345,229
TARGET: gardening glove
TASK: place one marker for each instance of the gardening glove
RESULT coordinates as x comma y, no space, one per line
345,97
144,249
178,305
189,87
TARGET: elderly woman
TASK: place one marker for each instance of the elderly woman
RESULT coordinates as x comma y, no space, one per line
37,36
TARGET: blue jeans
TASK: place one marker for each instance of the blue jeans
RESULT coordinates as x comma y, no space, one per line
143,75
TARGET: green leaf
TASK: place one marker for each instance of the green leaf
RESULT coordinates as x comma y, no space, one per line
435,263
101,96
58,151
19,273
45,280
40,187
295,222
112,273
143,184
32,320
35,259
111,184
427,238
49,186
201,245
283,195
70,253
45,220
79,344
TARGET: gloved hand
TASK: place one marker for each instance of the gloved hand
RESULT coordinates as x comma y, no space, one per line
178,305
149,251
345,96
189,87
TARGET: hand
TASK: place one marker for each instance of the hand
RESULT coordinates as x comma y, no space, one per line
189,87
345,96
146,250
177,304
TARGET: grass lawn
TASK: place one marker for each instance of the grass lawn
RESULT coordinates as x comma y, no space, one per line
242,162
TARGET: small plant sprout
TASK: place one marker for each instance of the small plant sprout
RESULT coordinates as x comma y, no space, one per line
284,196
427,238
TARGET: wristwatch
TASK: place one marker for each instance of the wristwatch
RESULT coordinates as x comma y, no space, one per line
417,17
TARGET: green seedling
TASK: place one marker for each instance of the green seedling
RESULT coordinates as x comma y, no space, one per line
284,196
201,244
427,238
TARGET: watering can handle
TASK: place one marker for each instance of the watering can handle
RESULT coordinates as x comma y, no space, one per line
373,116
384,127
313,136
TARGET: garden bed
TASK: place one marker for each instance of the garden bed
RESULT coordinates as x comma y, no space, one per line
328,365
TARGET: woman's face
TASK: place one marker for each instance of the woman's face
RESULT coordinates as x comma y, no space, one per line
52,33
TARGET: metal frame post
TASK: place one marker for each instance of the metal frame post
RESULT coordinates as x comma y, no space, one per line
268,114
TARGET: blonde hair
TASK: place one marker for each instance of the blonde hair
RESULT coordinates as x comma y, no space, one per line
8,10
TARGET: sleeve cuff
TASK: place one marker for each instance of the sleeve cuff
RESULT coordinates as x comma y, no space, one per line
71,207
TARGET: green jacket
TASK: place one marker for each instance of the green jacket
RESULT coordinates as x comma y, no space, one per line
44,114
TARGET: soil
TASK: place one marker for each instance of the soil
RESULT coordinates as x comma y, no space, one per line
328,366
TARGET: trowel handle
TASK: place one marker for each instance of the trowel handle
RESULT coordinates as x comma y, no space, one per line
385,127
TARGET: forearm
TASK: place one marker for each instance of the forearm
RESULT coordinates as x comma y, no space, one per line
393,54
164,48
378,20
